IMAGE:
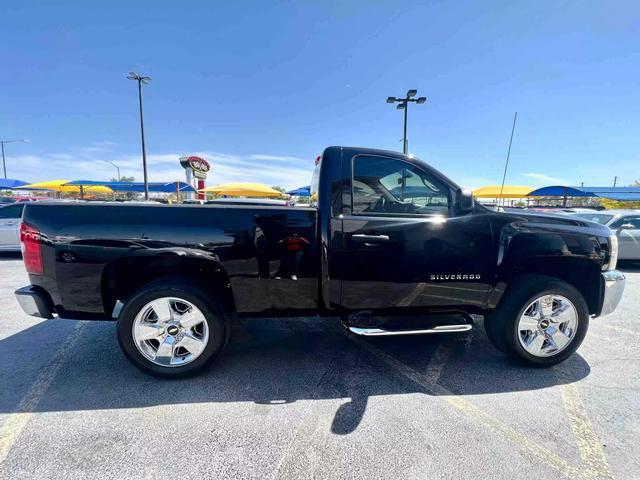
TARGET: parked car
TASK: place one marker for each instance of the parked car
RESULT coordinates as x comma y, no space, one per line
10,215
625,224
390,236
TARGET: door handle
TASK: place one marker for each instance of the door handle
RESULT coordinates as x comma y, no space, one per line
365,238
10,224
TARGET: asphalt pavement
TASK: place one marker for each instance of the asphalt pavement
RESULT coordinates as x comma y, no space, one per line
299,398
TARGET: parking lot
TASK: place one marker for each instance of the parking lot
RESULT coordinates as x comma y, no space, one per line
301,399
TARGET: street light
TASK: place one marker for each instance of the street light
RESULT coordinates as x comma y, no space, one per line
403,104
140,79
117,168
2,142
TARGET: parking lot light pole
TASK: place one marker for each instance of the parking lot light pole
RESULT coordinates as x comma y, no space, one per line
403,104
142,80
117,168
2,142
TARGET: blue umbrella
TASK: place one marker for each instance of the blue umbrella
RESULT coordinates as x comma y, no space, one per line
301,192
11,183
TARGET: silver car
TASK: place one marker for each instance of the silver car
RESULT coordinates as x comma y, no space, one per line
625,224
10,216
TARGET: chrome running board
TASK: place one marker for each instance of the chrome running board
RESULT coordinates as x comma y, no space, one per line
378,332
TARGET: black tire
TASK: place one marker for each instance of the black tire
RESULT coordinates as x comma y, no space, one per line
502,324
492,327
213,309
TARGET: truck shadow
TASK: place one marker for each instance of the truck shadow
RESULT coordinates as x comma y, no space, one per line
629,266
269,363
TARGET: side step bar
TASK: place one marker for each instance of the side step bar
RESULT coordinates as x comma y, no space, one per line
378,332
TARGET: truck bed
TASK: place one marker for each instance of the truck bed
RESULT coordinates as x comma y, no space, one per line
269,253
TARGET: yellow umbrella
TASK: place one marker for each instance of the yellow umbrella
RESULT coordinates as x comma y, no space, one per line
244,190
59,186
509,191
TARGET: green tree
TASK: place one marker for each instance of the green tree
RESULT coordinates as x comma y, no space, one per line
124,179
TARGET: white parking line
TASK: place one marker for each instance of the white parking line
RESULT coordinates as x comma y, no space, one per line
15,423
436,364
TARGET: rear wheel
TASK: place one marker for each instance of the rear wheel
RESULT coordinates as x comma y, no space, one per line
541,321
172,329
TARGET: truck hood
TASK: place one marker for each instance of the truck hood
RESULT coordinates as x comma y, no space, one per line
557,221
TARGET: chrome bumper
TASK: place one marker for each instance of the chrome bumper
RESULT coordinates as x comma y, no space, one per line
612,292
33,302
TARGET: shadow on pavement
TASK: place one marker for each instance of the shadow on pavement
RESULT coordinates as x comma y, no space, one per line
268,362
4,256
629,266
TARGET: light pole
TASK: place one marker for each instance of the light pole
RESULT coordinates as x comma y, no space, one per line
117,168
2,142
403,104
140,79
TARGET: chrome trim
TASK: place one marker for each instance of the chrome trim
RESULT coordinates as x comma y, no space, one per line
116,309
362,237
33,302
614,282
379,332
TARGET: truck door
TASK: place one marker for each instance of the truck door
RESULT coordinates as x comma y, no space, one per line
402,244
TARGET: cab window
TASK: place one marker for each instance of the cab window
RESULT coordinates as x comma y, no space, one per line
388,186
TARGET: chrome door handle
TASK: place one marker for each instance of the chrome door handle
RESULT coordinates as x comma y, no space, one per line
10,224
362,237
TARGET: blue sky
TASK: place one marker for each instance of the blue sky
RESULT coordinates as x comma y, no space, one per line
260,88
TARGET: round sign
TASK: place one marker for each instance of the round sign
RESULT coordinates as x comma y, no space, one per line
198,165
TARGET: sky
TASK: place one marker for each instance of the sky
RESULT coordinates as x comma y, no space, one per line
260,88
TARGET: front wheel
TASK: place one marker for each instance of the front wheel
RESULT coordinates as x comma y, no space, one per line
541,321
172,329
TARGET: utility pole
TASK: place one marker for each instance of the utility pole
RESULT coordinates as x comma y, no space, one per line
403,104
615,180
142,80
2,142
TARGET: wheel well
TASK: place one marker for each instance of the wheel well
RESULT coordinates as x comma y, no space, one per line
583,274
125,276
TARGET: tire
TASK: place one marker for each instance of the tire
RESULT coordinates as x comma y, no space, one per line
187,328
518,327
494,333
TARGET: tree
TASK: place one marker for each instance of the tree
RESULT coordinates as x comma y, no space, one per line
124,179
279,188
636,183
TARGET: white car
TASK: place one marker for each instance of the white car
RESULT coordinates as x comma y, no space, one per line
10,216
625,224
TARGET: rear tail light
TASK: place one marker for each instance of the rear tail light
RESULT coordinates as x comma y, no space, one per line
31,248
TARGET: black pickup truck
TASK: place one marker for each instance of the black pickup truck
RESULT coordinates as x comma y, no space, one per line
391,247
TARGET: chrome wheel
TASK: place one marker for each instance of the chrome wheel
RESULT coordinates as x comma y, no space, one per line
170,331
548,325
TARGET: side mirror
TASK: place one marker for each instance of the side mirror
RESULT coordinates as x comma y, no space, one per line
464,201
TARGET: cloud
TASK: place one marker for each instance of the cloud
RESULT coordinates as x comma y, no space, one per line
543,178
92,164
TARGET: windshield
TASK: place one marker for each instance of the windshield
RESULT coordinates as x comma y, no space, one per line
603,219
